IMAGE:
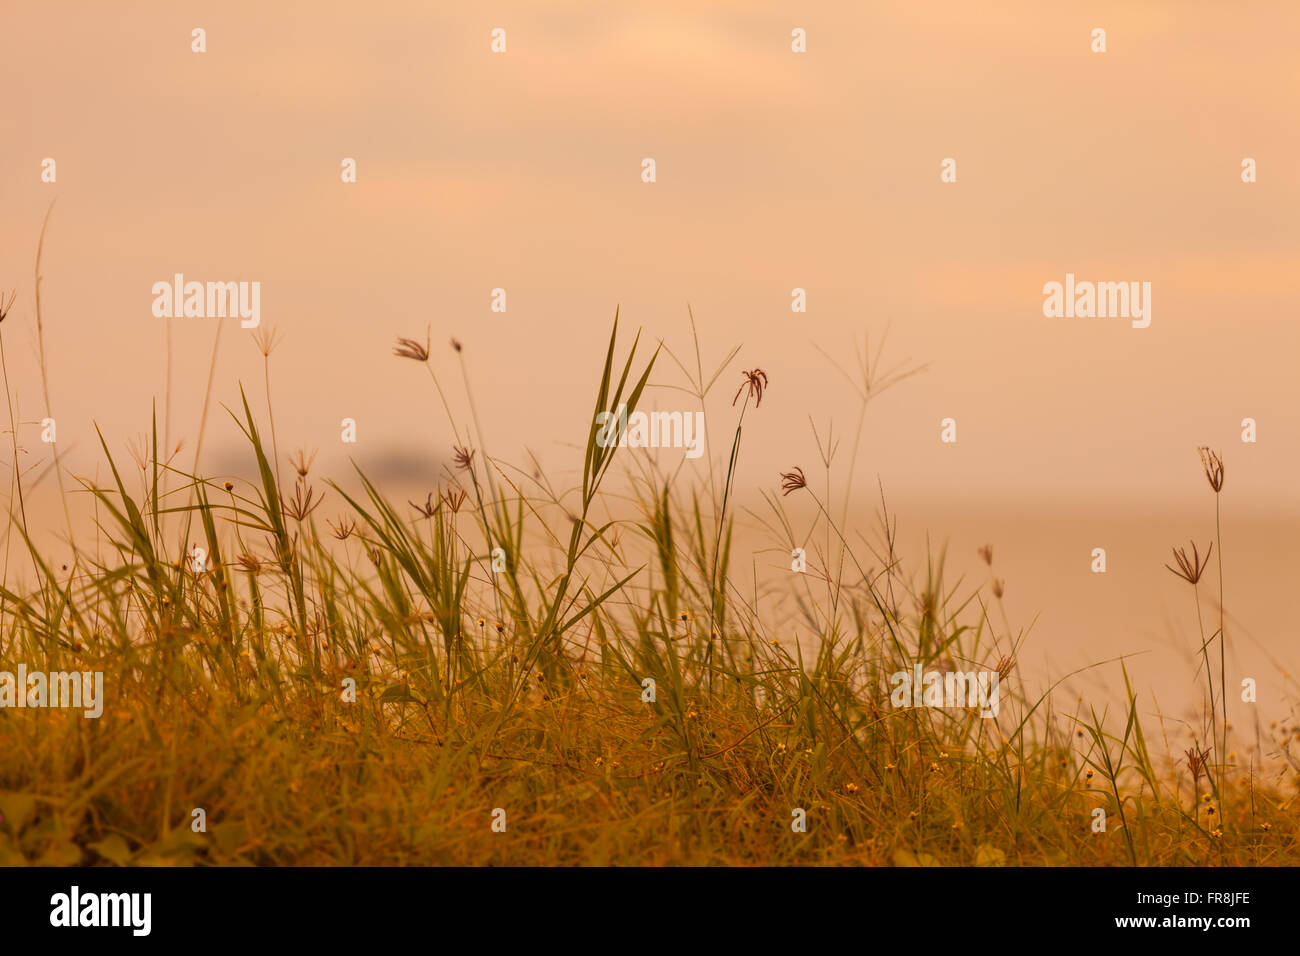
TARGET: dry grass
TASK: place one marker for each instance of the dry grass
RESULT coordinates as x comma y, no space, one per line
521,688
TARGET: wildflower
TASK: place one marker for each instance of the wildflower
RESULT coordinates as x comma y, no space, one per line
464,457
1266,826
482,622
1196,762
410,348
1190,569
1005,666
851,787
344,529
890,766
792,481
304,463
300,507
756,382
229,486
266,340
1212,462
454,497
500,627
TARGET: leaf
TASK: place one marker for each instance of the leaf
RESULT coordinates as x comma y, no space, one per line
112,848
62,853
17,810
397,692
987,855
9,854
230,836
179,841
908,858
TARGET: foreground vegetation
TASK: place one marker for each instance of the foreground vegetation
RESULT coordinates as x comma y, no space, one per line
511,672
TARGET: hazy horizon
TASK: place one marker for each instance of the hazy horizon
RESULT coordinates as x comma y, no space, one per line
775,170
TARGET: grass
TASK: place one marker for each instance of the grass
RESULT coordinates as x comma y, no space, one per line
375,688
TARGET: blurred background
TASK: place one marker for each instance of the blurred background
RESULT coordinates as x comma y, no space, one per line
775,170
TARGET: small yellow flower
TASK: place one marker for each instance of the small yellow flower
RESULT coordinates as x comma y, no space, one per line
934,768
912,815
890,766
851,787
1266,826
482,622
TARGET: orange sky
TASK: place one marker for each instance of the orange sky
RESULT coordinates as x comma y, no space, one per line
775,170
